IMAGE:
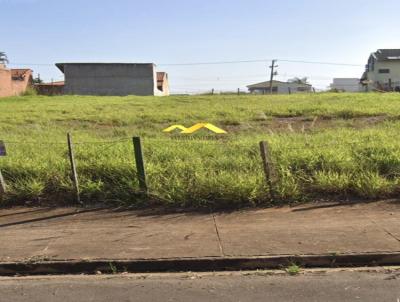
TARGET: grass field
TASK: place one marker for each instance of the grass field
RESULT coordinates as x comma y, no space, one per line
339,145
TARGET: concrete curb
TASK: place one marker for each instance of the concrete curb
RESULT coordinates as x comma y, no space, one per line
196,264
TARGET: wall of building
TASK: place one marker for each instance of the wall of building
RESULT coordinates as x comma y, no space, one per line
12,87
383,78
347,84
5,82
165,87
282,89
20,86
293,87
110,79
50,89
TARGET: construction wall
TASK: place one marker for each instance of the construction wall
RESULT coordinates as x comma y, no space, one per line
20,86
110,79
164,89
5,82
12,87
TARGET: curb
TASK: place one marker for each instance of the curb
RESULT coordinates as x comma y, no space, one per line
196,264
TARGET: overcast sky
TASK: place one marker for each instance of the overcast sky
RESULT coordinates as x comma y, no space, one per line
34,32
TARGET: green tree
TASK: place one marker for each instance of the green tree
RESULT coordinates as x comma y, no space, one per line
37,80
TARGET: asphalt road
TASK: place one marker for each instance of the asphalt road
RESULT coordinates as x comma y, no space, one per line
310,286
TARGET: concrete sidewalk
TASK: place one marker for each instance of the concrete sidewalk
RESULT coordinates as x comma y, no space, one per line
42,234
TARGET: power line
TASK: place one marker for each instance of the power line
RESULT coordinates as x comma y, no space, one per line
323,63
226,62
261,61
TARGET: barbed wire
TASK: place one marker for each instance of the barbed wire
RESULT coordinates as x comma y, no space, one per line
64,143
276,147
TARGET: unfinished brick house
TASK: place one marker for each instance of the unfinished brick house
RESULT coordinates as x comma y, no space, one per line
162,82
14,81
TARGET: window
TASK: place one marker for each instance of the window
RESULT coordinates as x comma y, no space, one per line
384,70
371,64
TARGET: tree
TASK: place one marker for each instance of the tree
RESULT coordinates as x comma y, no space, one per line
297,80
3,58
37,80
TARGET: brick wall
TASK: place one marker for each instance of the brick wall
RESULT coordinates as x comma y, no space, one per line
5,83
20,86
10,87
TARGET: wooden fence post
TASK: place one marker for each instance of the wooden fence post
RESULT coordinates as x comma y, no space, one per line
74,174
139,159
3,189
268,167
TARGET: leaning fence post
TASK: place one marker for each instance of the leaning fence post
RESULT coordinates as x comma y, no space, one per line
2,186
74,174
268,166
139,159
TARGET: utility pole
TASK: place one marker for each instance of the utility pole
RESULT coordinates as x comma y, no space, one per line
273,73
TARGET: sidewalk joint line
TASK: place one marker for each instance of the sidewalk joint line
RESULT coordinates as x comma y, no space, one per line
385,230
221,248
389,233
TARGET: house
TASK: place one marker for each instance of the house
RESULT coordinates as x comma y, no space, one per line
53,88
14,81
346,85
279,87
114,79
382,73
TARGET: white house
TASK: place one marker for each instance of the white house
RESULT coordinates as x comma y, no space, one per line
279,87
382,73
347,85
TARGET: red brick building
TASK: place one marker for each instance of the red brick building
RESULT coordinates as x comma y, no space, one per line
14,81
53,88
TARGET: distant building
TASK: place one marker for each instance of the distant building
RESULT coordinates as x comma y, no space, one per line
279,87
382,73
113,79
347,85
53,88
14,81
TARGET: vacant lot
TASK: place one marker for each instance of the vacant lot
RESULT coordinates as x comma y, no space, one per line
344,145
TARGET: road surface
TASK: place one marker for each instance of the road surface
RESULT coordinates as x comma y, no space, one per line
377,285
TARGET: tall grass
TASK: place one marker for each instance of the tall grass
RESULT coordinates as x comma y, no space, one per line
340,161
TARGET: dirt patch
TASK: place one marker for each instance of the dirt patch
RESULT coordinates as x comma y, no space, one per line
307,124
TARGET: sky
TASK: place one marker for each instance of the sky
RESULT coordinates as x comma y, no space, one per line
39,33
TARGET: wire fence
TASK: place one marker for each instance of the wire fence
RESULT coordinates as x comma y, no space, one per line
109,168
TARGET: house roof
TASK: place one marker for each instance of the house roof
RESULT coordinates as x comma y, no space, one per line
61,65
266,84
58,83
387,54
